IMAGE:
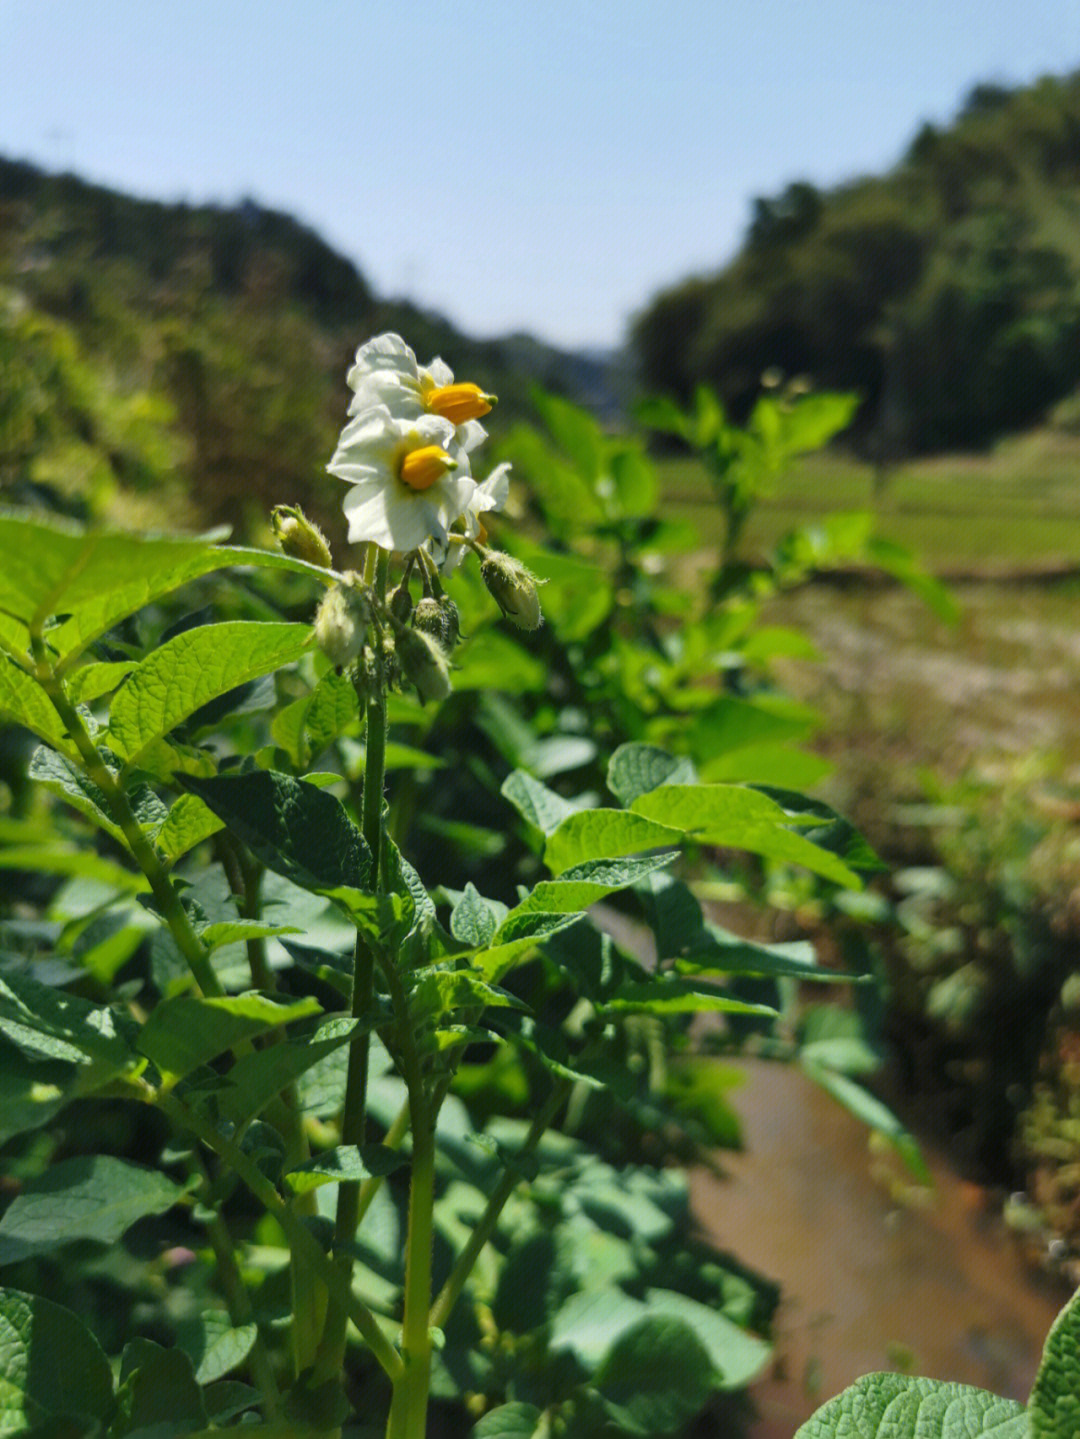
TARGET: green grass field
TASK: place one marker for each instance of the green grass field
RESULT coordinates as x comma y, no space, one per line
1015,507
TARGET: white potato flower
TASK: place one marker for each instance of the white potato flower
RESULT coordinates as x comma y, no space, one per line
385,372
490,494
408,478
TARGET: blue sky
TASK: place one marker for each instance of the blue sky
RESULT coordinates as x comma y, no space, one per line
543,166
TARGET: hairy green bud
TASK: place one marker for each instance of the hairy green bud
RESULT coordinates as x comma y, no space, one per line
341,622
400,603
429,619
300,537
451,621
513,588
423,664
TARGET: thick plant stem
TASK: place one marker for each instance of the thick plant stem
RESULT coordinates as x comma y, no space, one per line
330,1356
408,1406
485,1227
168,901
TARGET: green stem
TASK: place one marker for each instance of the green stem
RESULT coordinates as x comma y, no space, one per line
300,1238
146,857
463,1266
330,1355
408,1406
237,1300
391,1140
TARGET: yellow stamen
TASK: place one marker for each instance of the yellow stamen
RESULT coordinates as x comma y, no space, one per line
422,467
458,403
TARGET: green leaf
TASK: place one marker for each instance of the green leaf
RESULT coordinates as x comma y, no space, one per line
516,938
32,1090
296,829
604,834
737,1357
1054,1403
224,1399
194,667
718,951
94,680
542,807
159,1395
656,1376
45,1023
582,885
23,700
89,1197
898,561
70,783
53,566
673,994
635,769
189,822
445,991
214,936
826,828
185,1032
636,484
214,1347
305,728
509,1421
757,763
733,724
591,1321
348,1162
474,919
256,1078
67,781
897,1406
574,430
50,1365
737,818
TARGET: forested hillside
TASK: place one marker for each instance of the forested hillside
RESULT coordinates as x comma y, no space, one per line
947,292
187,362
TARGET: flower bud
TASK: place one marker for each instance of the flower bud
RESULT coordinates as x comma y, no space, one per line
513,588
451,621
299,537
340,624
399,602
430,619
423,664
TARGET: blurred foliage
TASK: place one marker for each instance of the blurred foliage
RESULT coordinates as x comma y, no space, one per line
946,292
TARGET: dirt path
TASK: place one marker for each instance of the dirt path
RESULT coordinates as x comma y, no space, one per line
867,1284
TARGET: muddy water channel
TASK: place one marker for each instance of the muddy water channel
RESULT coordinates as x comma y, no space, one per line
937,1288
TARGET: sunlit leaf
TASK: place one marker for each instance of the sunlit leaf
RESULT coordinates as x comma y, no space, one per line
191,669
898,1406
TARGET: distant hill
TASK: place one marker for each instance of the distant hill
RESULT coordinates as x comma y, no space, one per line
947,291
196,354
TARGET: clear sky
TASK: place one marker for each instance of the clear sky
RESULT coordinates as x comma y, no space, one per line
516,164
